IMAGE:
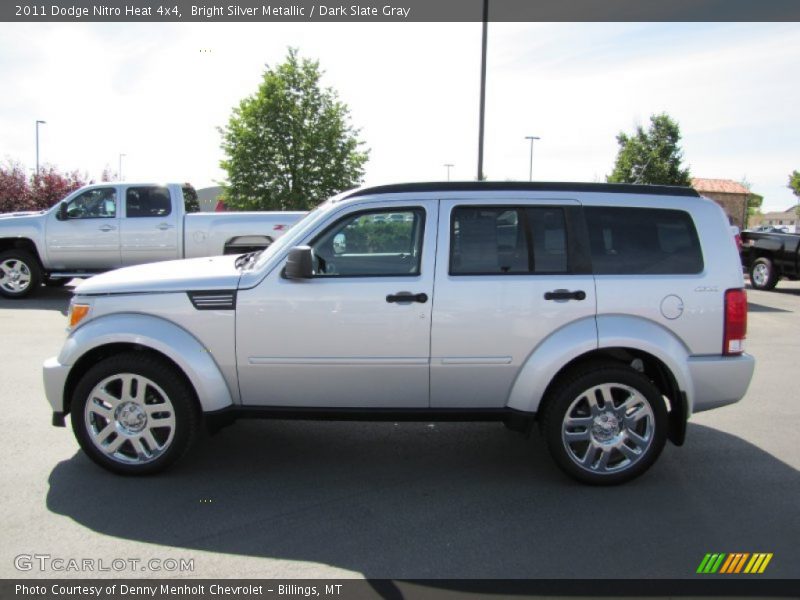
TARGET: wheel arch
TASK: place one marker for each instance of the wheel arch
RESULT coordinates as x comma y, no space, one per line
22,243
620,339
114,334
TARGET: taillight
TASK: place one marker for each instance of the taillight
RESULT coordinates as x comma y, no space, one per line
735,321
738,239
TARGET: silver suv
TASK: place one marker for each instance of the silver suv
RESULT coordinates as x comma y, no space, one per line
603,314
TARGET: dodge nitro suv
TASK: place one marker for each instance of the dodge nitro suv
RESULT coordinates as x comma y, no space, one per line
603,315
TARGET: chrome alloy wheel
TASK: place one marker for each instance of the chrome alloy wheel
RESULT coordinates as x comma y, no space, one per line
15,276
608,428
129,418
760,275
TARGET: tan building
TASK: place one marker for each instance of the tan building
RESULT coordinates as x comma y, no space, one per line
731,195
787,218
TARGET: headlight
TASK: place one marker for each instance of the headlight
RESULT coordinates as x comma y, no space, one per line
77,313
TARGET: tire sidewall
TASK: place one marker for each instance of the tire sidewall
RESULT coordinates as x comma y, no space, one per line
565,395
186,415
33,267
772,279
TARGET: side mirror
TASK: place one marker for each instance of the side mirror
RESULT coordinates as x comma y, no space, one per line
300,264
62,215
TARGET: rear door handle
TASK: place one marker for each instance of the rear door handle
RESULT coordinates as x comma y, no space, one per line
165,226
407,297
107,228
565,295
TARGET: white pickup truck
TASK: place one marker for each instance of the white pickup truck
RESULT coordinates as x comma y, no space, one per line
109,225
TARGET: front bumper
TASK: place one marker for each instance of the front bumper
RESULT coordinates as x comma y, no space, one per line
719,380
55,378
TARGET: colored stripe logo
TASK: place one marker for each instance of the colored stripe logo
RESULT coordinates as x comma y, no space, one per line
733,563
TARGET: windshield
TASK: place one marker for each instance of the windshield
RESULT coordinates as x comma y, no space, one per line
291,236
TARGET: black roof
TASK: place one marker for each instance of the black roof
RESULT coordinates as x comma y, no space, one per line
524,186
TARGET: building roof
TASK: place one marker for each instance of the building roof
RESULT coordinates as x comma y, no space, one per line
514,186
720,186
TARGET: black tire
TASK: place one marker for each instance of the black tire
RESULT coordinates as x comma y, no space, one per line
163,380
763,275
16,266
604,433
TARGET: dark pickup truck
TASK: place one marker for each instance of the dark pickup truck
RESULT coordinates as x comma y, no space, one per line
770,256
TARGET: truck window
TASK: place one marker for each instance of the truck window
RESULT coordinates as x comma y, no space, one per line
503,240
147,201
371,244
97,203
640,241
191,203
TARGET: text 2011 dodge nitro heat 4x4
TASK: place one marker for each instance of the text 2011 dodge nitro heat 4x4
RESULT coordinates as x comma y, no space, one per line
604,314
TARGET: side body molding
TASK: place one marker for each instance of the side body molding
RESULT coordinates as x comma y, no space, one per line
160,335
547,359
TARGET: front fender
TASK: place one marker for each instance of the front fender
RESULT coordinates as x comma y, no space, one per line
162,336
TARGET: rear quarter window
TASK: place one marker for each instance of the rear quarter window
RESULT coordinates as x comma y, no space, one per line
643,241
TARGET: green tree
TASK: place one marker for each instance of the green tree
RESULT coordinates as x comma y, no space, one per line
651,156
794,185
290,144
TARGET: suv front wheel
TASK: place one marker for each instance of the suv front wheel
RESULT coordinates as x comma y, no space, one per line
605,425
133,414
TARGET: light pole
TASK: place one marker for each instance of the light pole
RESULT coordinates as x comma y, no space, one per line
37,143
119,171
448,166
530,170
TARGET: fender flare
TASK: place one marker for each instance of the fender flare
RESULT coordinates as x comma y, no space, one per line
547,359
591,334
160,335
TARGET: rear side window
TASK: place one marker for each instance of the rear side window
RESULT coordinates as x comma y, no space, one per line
496,240
147,201
643,241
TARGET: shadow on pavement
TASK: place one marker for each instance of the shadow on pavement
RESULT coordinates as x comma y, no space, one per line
45,298
751,307
445,501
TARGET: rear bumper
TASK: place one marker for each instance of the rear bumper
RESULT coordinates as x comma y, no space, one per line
55,377
719,380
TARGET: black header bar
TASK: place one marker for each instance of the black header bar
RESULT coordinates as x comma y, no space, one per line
398,10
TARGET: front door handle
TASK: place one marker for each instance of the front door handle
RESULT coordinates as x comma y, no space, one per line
565,295
407,297
107,228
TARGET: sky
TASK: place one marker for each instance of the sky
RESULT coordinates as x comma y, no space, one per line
158,92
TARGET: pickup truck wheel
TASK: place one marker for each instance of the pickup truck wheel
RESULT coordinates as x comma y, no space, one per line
20,274
134,415
762,274
606,425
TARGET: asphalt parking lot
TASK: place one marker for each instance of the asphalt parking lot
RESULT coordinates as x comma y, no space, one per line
303,499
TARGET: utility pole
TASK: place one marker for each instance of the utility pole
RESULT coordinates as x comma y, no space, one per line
119,172
448,166
37,143
483,88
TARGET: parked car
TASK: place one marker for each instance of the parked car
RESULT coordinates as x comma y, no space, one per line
605,315
770,256
109,225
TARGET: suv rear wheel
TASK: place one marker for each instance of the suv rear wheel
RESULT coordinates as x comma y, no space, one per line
605,424
134,415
